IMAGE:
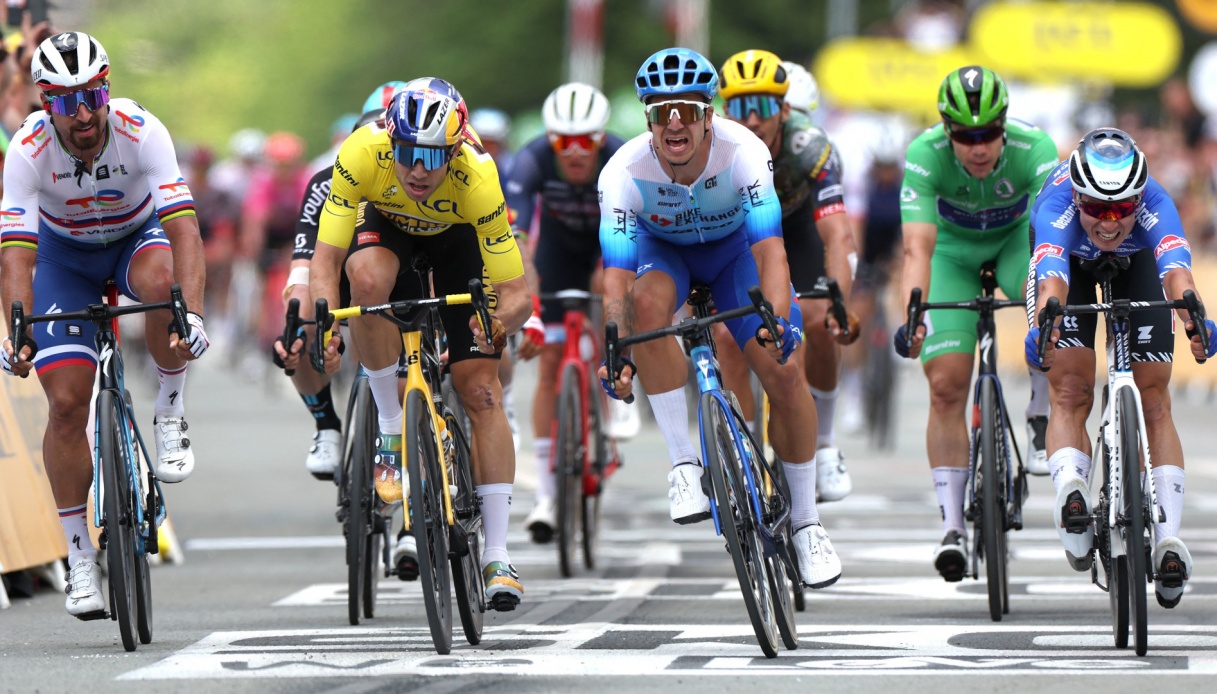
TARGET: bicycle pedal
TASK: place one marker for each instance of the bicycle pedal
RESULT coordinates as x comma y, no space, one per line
503,602
406,569
1075,519
90,616
1172,573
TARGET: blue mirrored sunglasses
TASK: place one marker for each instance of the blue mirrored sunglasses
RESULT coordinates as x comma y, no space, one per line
68,104
432,157
764,105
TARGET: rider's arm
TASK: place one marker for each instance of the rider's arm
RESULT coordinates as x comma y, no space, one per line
919,214
175,209
618,299
919,241
619,228
832,222
18,231
189,268
774,271
520,189
500,253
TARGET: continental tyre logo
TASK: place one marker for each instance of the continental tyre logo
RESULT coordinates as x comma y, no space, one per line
488,218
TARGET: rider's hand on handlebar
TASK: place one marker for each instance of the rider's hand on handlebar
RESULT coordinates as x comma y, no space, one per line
534,334
1202,351
498,335
19,366
905,347
625,381
196,341
834,328
333,353
787,341
1032,345
289,361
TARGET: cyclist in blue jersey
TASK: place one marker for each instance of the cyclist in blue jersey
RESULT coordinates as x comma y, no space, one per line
554,176
693,201
1102,203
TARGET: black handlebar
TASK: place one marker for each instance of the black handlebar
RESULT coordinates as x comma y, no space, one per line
17,330
481,307
325,325
914,313
611,356
291,328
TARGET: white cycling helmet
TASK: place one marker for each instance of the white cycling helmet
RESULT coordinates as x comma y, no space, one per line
490,123
803,94
247,143
575,109
1107,165
68,59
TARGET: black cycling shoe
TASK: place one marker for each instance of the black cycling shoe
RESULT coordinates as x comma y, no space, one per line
951,557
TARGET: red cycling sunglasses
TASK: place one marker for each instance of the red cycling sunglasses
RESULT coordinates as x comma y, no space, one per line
564,144
1109,211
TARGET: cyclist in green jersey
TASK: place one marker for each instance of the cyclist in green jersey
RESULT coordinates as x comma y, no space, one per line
816,234
966,200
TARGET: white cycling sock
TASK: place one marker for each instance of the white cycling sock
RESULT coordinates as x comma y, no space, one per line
950,486
383,384
495,500
672,414
1038,405
169,399
76,530
1168,487
826,407
546,487
1066,463
802,481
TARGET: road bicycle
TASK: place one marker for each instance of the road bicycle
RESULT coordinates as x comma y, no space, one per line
1127,504
130,506
753,517
441,508
997,480
583,457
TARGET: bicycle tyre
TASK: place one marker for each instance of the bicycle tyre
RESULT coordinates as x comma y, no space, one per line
879,386
428,522
360,498
569,455
992,517
784,580
593,482
118,521
1132,502
466,561
738,523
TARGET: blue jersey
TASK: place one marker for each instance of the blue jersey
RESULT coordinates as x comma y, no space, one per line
733,195
1059,234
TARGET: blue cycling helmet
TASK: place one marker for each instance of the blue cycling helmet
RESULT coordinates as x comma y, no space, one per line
379,99
676,71
425,117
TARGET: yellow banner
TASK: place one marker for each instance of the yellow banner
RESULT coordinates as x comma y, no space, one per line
1125,43
885,74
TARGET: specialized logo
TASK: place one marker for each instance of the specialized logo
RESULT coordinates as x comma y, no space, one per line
971,76
104,198
38,134
132,123
1170,243
1046,250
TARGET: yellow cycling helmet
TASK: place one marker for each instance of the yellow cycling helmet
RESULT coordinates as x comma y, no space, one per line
753,72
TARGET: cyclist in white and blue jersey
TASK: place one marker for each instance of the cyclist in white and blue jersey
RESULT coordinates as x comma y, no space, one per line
692,201
92,191
1103,203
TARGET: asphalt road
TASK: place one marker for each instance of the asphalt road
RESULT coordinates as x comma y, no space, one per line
259,603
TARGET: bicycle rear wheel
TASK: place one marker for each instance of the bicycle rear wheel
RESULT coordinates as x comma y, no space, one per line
1132,503
738,522
569,455
361,539
428,522
992,483
119,518
466,557
593,482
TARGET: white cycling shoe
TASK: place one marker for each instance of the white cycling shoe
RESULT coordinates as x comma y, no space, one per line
1073,501
623,422
542,521
1172,567
689,501
819,564
325,455
174,456
832,479
405,557
1037,455
85,598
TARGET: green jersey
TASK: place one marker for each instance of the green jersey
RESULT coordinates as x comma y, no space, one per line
939,190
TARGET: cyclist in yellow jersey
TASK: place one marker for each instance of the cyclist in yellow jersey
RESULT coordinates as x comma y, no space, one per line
422,185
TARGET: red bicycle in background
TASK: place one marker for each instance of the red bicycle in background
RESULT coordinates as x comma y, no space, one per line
583,455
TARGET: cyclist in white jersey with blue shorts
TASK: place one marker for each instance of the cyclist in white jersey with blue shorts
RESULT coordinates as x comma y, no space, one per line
92,191
692,202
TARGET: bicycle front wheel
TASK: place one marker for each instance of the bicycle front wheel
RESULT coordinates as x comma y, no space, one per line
428,522
118,520
784,579
1133,513
568,469
992,482
466,542
601,451
738,522
361,538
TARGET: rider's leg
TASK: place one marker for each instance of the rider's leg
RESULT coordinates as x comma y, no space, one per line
1071,391
541,520
373,272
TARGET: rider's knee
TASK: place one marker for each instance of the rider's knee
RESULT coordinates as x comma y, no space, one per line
67,410
368,287
1072,391
949,388
1156,404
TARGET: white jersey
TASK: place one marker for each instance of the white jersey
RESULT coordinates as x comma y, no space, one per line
734,194
48,190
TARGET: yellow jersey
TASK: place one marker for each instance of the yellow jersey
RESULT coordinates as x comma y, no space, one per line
469,194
